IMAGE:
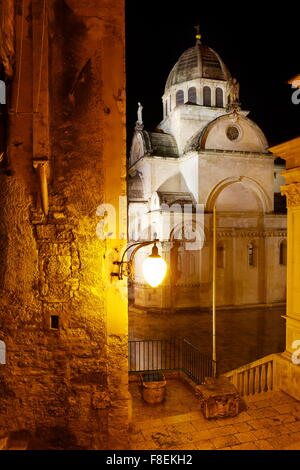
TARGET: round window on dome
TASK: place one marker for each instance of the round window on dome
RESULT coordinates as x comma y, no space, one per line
232,133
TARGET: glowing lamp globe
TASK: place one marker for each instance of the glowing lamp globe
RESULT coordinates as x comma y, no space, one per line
154,268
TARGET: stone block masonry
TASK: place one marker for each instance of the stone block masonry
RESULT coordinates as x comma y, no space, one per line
63,319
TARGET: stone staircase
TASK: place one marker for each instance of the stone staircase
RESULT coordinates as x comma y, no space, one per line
258,377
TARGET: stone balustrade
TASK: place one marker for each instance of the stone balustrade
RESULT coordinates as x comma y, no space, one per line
256,377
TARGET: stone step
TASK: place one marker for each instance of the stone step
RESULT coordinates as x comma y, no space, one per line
294,446
3,442
17,444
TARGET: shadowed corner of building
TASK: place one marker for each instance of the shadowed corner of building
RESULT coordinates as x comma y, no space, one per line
64,380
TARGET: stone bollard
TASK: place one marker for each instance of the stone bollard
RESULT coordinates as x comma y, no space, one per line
219,398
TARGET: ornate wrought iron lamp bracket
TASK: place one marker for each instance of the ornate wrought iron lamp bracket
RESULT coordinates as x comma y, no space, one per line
126,267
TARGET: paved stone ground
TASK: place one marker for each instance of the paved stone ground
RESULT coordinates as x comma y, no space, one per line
271,421
242,335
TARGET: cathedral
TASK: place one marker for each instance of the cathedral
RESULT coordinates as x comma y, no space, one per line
206,155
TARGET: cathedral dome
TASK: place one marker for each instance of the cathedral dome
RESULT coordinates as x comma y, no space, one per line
195,63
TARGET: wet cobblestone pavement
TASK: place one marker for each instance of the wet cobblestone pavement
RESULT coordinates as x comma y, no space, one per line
242,335
271,421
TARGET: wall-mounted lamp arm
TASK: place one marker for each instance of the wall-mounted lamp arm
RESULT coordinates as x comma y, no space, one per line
128,264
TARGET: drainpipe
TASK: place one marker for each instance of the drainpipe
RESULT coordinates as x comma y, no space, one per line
41,165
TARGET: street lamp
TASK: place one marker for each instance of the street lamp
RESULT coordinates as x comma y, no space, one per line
154,267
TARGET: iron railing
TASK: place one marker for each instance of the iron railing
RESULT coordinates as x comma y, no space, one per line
170,354
196,364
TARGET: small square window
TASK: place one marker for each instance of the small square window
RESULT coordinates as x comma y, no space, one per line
54,322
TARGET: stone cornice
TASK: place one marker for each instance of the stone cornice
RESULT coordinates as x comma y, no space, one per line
210,154
236,233
236,153
198,285
291,176
289,151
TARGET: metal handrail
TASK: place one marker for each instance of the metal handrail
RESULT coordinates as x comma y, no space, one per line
170,354
193,346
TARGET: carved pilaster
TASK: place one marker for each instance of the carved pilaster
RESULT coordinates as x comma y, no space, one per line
292,193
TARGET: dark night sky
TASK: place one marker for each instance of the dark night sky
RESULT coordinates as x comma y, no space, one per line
259,43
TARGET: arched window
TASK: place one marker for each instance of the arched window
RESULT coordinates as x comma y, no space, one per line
170,103
220,255
192,95
166,108
251,254
179,97
219,98
2,92
206,96
2,353
283,253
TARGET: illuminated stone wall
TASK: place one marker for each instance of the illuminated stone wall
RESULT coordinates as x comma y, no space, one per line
208,154
63,319
287,370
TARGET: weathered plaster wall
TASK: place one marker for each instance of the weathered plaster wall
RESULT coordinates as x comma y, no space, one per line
65,387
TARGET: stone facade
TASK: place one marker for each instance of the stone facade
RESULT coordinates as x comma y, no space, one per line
288,370
206,153
62,318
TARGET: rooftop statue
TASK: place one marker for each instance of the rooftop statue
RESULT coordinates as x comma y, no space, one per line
139,125
234,92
